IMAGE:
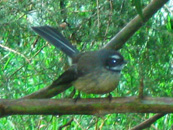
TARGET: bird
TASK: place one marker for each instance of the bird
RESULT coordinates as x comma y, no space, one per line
91,72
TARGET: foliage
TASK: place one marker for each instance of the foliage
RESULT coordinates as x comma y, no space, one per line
29,64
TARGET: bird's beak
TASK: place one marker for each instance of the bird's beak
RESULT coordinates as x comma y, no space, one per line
125,62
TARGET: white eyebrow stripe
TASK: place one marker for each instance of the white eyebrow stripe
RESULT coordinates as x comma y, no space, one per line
116,57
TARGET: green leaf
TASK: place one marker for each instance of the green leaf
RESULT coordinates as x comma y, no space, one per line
138,7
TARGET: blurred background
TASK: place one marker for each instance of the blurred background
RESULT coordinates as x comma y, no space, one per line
28,63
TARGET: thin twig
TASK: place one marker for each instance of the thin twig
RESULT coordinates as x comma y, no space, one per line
65,125
141,88
18,53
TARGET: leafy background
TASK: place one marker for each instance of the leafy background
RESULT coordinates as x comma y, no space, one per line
28,63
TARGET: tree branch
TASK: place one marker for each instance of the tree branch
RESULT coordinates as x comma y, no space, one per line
97,106
147,123
119,39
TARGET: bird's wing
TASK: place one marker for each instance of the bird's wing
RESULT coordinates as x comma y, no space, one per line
68,76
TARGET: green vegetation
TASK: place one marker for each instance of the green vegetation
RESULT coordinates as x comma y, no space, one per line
28,63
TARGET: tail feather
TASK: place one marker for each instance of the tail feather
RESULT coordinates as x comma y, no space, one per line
57,39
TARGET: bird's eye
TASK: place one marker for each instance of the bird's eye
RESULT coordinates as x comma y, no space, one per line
114,64
111,62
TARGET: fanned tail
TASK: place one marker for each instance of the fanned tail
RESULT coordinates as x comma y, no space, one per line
57,39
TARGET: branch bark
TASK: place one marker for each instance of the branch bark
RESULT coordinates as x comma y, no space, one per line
119,39
97,106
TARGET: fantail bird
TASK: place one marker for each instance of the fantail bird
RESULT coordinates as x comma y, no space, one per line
93,72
